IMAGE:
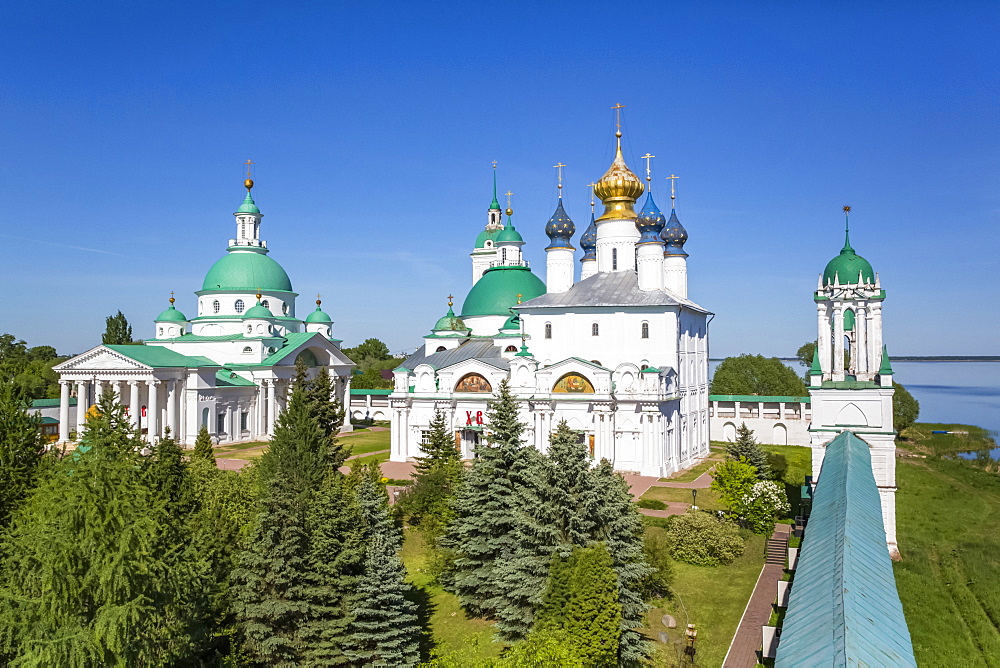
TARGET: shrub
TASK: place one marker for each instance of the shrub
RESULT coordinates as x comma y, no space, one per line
651,504
656,547
700,539
778,464
761,504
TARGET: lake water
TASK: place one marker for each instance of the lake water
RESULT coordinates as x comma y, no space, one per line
949,392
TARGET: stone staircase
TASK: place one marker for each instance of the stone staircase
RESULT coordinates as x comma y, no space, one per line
777,550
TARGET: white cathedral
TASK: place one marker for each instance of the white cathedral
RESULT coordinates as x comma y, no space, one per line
620,353
229,368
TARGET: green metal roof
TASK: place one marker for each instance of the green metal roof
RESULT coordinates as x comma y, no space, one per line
246,270
756,398
48,420
509,234
353,391
50,403
248,205
497,291
229,378
484,236
844,609
159,357
848,266
292,341
449,322
886,368
318,316
258,311
171,315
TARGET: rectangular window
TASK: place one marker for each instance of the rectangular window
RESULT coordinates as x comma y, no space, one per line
614,259
425,437
244,417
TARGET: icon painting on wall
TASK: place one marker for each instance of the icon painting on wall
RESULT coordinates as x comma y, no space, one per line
574,383
473,382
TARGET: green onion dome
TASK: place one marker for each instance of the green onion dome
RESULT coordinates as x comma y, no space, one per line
498,289
246,270
450,323
509,234
848,268
258,311
171,314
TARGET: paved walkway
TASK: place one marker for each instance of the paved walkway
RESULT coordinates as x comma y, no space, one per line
747,641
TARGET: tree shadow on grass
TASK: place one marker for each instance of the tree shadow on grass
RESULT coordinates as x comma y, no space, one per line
425,610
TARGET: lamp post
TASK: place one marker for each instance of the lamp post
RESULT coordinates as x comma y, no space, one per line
694,499
689,651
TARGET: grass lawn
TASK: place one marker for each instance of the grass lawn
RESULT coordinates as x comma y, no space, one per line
377,459
707,498
711,598
452,631
947,514
919,439
366,441
693,473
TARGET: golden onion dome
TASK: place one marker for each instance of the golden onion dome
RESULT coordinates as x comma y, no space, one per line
618,189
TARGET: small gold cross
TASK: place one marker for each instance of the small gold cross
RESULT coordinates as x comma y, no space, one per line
248,163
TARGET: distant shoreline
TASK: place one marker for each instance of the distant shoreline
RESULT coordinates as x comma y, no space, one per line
912,358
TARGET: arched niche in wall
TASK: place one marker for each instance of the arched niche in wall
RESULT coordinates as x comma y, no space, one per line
473,382
573,383
308,358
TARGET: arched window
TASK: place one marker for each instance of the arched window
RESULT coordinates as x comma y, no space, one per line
510,349
215,306
503,256
159,331
440,349
249,329
284,308
645,330
614,259
265,304
548,330
595,330
247,349
240,306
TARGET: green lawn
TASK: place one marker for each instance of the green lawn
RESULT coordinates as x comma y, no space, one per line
707,498
711,598
452,631
693,473
366,441
947,513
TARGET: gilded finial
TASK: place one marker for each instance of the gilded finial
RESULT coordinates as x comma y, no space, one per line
649,171
591,186
847,228
171,297
318,300
509,210
519,295
259,295
673,190
559,169
450,297
618,122
248,184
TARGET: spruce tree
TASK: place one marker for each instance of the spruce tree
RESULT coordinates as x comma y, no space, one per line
484,533
90,575
22,450
335,560
620,528
329,413
270,583
427,502
747,447
203,447
582,601
168,476
553,518
440,453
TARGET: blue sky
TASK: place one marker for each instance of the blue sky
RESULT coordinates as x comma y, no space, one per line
123,127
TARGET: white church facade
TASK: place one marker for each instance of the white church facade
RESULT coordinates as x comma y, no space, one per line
620,352
229,368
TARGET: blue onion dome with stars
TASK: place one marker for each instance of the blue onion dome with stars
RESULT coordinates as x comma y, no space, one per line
674,236
650,221
588,242
560,229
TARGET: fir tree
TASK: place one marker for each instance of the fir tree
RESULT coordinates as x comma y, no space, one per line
21,451
203,447
335,559
553,518
329,413
484,533
440,453
88,581
270,582
427,502
384,629
582,601
167,474
620,528
747,447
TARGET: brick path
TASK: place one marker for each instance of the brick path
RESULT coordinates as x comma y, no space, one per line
747,641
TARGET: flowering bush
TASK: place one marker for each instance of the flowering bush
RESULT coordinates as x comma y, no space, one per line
761,504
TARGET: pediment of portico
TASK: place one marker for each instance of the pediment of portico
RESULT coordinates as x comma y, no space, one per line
100,359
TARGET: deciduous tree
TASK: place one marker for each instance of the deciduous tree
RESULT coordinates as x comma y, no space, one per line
756,374
117,330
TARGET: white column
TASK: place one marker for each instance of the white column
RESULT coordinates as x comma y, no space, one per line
134,407
838,342
82,397
861,343
272,405
261,404
876,337
153,411
63,411
230,423
172,408
823,338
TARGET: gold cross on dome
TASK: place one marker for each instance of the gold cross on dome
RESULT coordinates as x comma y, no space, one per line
510,193
673,190
559,169
648,158
618,116
249,163
519,295
591,186
494,164
450,297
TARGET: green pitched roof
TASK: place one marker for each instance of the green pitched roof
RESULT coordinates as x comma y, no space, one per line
292,341
496,292
50,403
816,369
246,270
159,357
229,378
886,368
844,609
